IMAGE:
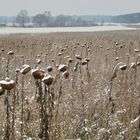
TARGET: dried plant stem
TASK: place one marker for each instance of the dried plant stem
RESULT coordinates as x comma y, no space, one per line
82,95
58,100
45,119
22,107
7,66
8,126
88,73
13,115
40,100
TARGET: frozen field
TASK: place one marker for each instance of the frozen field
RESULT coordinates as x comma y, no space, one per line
14,30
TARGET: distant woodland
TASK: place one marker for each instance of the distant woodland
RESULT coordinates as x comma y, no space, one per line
46,19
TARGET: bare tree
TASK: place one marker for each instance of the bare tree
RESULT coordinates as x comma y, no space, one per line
42,19
22,18
39,20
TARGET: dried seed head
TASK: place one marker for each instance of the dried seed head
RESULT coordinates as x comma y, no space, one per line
84,62
62,67
66,74
70,60
37,73
116,68
75,68
138,63
57,65
38,61
121,46
132,65
49,69
89,50
7,84
48,80
78,57
59,54
25,69
117,58
116,43
17,70
123,67
10,53
136,50
2,49
87,59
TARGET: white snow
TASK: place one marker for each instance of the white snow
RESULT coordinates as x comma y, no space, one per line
15,30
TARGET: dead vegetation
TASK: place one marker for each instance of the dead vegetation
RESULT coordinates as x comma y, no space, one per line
70,86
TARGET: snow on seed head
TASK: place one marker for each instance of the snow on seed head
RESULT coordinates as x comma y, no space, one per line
10,53
37,73
123,67
65,74
70,60
49,69
25,69
78,57
17,70
59,54
2,49
7,84
136,50
47,80
84,62
132,65
38,61
62,67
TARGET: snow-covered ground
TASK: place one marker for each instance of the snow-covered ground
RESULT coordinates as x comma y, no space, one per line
15,30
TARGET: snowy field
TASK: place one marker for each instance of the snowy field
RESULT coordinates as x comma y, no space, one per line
15,30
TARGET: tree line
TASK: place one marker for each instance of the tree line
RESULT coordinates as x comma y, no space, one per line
45,19
127,18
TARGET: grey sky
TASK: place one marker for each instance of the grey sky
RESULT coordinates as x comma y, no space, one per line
77,7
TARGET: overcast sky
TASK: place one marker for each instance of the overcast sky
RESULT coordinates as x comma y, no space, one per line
71,7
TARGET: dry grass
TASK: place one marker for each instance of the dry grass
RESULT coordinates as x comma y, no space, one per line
80,105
